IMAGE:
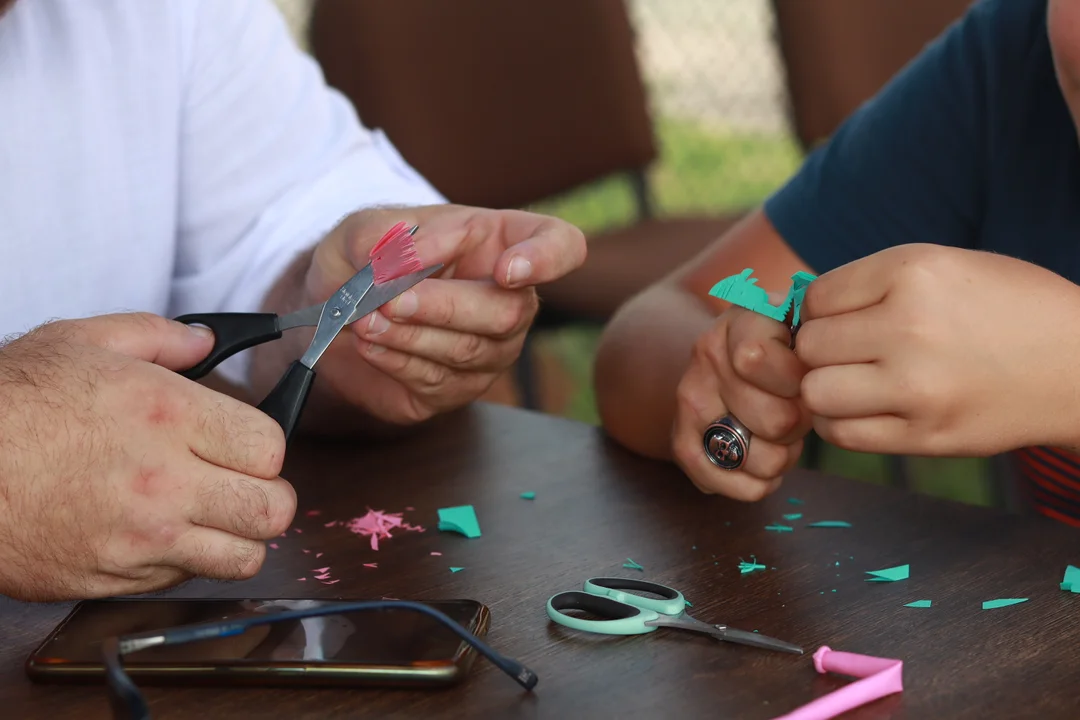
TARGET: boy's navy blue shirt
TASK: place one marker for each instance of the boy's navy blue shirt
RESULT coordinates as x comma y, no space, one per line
970,145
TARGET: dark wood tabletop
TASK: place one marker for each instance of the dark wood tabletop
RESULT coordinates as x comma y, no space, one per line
595,507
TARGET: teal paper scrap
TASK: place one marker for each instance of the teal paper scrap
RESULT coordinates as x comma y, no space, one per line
631,565
779,528
900,572
793,516
830,524
1071,581
528,495
456,569
795,501
749,567
918,604
461,519
1003,602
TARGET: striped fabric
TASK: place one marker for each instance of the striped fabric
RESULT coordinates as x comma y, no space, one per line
1051,478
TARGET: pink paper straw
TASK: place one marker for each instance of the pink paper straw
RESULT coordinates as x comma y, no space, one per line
880,677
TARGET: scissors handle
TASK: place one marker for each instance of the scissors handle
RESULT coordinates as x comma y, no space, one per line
619,618
669,601
285,403
233,332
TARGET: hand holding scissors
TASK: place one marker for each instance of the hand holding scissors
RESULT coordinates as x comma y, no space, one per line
233,332
627,613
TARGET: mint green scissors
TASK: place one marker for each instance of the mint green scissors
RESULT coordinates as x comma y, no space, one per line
626,613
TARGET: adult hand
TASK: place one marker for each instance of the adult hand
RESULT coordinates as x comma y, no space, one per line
442,344
743,366
119,476
929,350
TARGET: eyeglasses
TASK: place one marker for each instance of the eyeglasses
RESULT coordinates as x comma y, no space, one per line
128,702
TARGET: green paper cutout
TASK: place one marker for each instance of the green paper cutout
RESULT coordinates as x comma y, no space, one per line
793,516
749,567
461,519
900,572
743,290
779,528
795,501
1004,602
631,565
1071,581
528,495
918,604
830,524
456,569
688,603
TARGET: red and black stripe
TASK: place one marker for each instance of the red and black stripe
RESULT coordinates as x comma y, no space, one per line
1052,480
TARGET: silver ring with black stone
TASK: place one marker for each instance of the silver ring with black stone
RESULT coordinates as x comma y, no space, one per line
726,443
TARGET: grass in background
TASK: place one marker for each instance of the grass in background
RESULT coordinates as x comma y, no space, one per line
714,170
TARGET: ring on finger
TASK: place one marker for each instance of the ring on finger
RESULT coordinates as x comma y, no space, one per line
726,442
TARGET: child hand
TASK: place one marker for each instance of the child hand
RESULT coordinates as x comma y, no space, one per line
931,350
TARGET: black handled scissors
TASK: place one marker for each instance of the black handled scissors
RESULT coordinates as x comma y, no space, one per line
233,332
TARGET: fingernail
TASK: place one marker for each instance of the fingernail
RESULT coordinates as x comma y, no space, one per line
519,270
405,305
201,331
378,324
374,349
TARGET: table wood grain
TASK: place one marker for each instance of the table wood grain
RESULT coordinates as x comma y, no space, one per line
595,507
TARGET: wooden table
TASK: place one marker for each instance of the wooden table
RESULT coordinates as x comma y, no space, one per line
596,506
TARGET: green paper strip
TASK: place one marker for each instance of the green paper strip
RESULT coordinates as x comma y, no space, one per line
779,528
461,519
830,524
900,572
919,604
456,569
793,516
631,565
795,501
528,495
1004,602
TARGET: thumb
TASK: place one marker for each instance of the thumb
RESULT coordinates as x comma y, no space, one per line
144,336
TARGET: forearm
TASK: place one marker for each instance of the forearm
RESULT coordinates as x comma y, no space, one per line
642,356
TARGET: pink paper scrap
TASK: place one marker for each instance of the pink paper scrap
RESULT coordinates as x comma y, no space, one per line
298,530
273,546
306,551
377,525
331,582
879,677
332,523
302,579
371,565
437,554
318,555
313,513
324,576
321,570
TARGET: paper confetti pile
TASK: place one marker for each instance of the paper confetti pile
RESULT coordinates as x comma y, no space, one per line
377,525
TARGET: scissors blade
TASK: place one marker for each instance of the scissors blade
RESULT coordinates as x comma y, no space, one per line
379,295
337,313
756,640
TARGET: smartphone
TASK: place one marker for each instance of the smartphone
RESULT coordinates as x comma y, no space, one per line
378,648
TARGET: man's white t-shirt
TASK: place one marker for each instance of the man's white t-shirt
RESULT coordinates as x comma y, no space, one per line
170,156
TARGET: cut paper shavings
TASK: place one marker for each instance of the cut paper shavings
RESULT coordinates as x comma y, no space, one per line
302,579
456,569
332,523
1071,581
313,513
436,554
631,565
795,501
528,495
377,525
878,677
321,570
749,567
318,555
793,516
1003,602
324,576
371,565
307,552
395,254
331,582
273,546
900,572
919,604
298,530
461,519
779,528
830,524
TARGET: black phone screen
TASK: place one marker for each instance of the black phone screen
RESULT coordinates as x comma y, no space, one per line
382,638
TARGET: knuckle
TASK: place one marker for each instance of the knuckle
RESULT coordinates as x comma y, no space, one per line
467,350
748,358
432,378
248,559
771,464
780,421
